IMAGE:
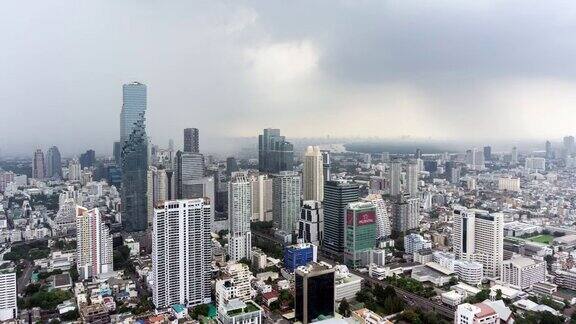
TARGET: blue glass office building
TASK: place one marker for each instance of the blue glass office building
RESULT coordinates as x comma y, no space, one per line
299,255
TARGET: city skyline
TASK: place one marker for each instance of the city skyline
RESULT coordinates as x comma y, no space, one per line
469,80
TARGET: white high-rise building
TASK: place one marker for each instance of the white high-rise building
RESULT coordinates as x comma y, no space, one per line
235,285
479,236
262,198
8,292
182,253
509,184
311,224
412,183
415,242
535,164
239,214
74,170
395,173
94,243
382,219
286,200
313,175
522,272
514,156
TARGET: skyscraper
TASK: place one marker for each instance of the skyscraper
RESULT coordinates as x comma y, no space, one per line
394,174
337,195
479,236
38,165
315,292
117,152
53,163
262,198
406,212
487,153
94,243
87,159
189,166
360,232
134,158
514,156
286,190
191,140
569,146
412,173
549,152
384,228
134,103
275,154
313,175
311,225
8,292
326,165
239,215
181,253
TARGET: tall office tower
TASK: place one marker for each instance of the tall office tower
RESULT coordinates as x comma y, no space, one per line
117,152
452,172
6,177
535,163
311,224
157,189
313,175
239,214
181,253
326,165
94,243
384,228
360,232
262,198
74,170
88,159
191,140
189,166
133,108
38,165
475,159
8,292
514,156
337,196
549,152
286,200
479,236
231,165
53,163
275,154
487,153
569,146
315,292
412,172
394,174
134,179
406,211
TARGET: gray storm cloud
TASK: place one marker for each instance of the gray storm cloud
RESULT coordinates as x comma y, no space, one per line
443,69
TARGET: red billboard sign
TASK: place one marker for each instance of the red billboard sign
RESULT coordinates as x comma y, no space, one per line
365,218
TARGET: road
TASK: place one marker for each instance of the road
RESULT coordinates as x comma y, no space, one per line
408,297
24,279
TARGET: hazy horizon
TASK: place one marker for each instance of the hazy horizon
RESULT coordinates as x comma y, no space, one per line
467,72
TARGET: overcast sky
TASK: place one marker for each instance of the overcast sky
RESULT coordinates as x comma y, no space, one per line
427,69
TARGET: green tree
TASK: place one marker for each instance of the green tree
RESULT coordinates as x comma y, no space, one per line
344,308
200,310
